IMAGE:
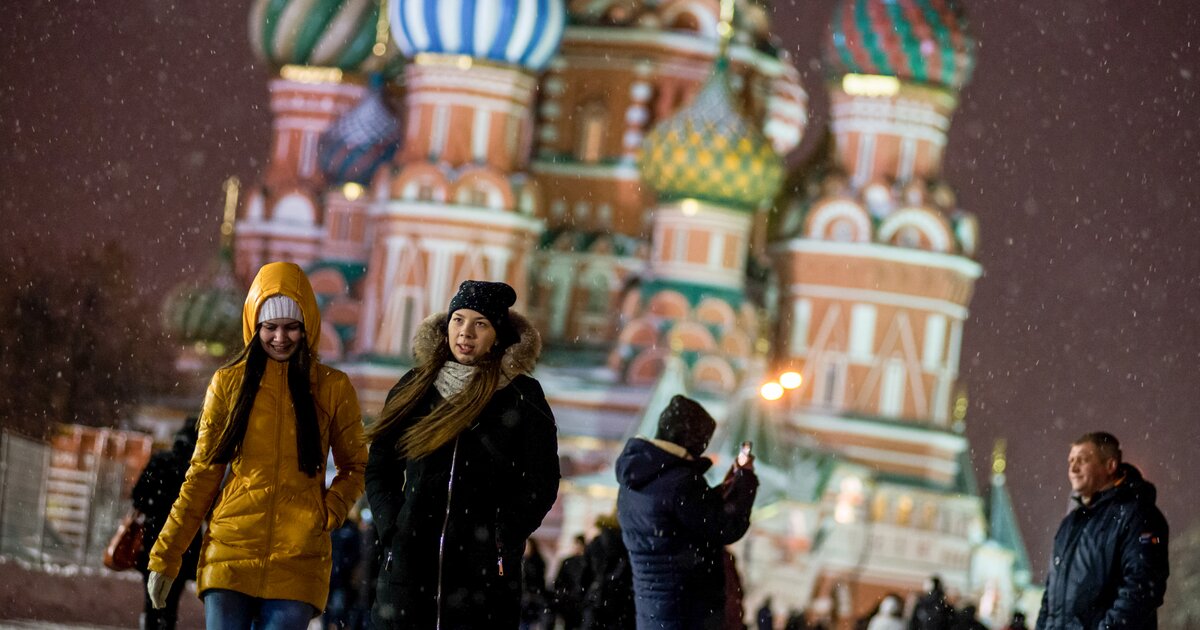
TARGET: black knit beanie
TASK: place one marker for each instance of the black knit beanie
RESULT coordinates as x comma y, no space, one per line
686,423
490,299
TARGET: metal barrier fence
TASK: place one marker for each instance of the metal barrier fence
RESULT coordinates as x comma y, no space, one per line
56,514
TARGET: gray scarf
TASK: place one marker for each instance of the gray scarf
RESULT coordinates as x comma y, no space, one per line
454,376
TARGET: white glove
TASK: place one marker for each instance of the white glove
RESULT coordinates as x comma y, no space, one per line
157,586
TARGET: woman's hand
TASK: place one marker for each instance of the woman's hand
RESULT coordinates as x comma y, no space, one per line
157,586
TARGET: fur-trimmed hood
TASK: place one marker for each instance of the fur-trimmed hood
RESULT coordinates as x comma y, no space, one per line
519,358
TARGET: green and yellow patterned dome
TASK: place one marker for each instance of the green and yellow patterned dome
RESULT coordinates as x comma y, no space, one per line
349,35
709,152
926,41
207,314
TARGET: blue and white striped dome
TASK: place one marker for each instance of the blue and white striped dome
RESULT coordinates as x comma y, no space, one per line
519,32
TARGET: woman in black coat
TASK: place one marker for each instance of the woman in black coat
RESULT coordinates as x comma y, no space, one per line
463,467
153,494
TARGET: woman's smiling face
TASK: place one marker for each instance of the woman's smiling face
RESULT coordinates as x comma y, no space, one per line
280,337
470,334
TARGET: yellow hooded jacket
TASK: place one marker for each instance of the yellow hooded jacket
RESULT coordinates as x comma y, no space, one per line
269,533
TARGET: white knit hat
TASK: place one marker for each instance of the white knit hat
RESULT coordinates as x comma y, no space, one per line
279,307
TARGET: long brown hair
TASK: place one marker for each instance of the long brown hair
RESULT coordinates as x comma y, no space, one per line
308,435
450,416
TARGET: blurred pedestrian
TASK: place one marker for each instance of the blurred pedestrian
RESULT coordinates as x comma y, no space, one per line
609,600
1109,565
534,606
1017,622
346,549
887,616
271,417
967,619
932,611
795,620
463,467
674,525
765,618
570,585
156,489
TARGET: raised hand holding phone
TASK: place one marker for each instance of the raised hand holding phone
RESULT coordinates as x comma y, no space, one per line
745,458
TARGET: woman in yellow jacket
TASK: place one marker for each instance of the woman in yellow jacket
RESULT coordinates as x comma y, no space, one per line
270,418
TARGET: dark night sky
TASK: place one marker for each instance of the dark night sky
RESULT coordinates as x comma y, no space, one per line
1076,144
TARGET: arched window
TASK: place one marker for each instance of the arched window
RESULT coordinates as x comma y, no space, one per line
594,120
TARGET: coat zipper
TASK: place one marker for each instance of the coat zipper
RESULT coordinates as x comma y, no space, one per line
499,544
442,538
274,485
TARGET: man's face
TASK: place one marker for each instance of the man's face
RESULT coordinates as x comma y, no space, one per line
1088,472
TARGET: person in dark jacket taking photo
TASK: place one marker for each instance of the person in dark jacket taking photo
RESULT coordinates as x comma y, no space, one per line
1109,568
462,469
676,526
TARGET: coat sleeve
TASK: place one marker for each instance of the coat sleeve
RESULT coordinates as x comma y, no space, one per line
200,486
537,461
385,478
720,514
1143,570
349,454
1042,618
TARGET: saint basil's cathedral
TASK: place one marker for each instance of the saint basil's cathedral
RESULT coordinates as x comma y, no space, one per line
620,163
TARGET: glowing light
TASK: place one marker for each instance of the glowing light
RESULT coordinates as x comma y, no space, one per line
790,380
352,191
311,74
689,207
870,85
771,391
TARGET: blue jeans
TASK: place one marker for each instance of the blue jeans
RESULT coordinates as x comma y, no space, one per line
231,610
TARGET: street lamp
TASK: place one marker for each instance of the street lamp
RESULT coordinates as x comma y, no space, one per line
785,382
771,391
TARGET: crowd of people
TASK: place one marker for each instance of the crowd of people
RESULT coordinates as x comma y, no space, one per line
933,610
459,470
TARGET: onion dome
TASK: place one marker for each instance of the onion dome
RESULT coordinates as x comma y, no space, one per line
339,34
358,143
708,151
524,33
914,40
207,313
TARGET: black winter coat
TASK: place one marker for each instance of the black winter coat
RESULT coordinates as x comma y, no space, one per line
153,495
1109,567
608,603
488,490
676,528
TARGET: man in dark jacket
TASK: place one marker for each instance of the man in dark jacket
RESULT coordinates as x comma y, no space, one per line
570,585
932,611
676,526
1109,567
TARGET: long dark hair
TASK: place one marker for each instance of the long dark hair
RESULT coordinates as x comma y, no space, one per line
308,435
449,417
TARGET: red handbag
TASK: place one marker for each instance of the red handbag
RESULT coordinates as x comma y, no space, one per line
122,551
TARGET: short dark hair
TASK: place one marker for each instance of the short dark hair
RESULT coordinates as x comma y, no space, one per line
1106,444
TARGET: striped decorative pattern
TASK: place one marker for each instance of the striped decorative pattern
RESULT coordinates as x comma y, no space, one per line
524,33
331,33
209,311
359,142
914,40
707,151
